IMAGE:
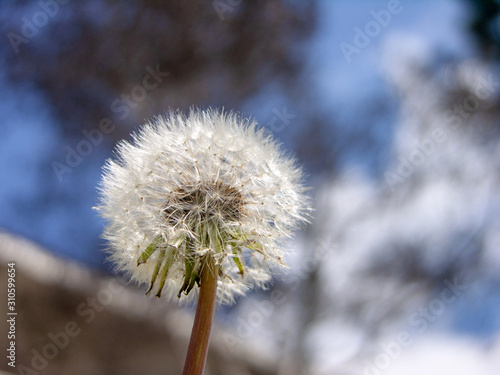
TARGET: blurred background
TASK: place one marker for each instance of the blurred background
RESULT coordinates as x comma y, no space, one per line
392,107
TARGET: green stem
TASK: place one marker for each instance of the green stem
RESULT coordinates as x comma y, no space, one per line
200,335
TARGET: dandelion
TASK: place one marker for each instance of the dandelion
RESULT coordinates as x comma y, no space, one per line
199,206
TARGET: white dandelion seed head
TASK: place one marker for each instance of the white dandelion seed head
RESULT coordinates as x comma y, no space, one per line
205,184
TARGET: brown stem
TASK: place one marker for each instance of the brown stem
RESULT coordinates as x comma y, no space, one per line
200,335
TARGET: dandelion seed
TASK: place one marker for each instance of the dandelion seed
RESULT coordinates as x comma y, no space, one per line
188,189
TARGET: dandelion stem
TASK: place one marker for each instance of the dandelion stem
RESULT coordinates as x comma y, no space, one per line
200,335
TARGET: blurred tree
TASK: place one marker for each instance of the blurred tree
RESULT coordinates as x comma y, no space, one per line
485,27
90,59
